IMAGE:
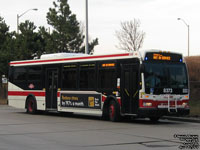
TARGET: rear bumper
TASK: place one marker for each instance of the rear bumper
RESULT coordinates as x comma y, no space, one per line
158,112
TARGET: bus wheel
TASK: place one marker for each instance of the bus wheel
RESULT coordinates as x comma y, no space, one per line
31,106
154,119
114,113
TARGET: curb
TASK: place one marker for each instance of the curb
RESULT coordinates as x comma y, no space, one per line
183,119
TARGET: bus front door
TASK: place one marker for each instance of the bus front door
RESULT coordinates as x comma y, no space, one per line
129,88
51,88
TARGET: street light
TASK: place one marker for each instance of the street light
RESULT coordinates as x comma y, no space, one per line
86,27
188,34
18,16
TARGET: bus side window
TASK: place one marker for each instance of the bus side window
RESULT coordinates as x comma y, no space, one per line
35,76
107,78
87,76
69,77
20,74
20,77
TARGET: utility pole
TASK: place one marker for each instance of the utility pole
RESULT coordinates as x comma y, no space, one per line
86,27
188,27
18,16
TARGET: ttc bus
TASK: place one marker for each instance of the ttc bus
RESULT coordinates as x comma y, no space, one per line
149,84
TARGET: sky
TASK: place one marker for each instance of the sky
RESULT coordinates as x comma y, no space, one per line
158,20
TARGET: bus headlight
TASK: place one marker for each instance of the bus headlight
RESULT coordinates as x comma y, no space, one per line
147,104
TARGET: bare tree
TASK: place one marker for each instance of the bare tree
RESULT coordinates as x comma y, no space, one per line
130,36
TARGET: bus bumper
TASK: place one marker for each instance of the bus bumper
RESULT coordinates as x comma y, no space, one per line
158,112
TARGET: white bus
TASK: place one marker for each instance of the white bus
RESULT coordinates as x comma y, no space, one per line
149,84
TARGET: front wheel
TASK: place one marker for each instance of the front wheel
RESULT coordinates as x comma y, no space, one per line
31,106
114,113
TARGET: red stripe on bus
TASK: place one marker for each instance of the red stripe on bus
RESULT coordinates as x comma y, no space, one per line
67,59
25,93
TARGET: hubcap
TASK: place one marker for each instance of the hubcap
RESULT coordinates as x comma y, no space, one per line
112,111
30,106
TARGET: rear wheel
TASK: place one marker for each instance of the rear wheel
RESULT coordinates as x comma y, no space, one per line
114,114
31,106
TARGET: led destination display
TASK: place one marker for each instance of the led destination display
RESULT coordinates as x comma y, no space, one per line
161,56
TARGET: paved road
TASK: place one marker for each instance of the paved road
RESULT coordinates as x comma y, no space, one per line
21,131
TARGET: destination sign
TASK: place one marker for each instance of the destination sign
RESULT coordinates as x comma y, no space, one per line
108,65
161,56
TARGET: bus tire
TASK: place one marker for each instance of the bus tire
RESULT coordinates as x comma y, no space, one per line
31,106
114,113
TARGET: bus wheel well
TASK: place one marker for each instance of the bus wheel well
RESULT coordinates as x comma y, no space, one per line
30,97
106,106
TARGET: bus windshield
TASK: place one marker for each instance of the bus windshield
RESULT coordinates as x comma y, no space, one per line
161,76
